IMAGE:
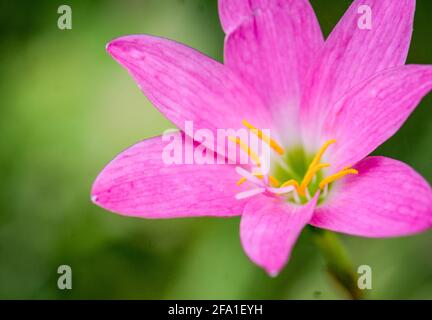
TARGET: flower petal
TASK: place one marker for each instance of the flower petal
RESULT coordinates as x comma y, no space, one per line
272,49
269,228
387,198
233,12
186,85
373,111
352,54
139,183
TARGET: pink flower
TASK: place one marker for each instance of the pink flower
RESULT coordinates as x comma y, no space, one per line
329,104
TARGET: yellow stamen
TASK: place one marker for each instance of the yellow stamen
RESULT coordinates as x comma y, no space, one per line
243,179
309,176
314,167
336,176
268,140
275,182
291,182
320,153
246,149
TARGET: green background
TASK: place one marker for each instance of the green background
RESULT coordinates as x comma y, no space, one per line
66,108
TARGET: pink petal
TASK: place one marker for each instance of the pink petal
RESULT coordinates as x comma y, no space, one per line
387,198
373,111
186,85
233,12
139,183
269,228
272,49
351,54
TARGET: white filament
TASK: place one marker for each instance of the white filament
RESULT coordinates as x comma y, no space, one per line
249,193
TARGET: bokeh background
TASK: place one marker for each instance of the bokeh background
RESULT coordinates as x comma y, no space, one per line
66,108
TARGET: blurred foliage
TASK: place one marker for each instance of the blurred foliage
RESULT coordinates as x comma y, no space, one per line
67,108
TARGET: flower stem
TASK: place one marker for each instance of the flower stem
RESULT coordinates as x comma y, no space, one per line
339,265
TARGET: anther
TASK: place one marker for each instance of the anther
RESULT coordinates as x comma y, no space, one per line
336,176
246,149
291,182
320,153
268,140
309,176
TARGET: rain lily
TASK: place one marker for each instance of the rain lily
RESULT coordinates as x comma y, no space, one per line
328,103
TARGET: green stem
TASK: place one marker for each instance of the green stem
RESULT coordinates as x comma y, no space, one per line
339,265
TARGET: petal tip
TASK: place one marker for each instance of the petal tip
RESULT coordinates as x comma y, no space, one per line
95,193
272,272
119,44
94,198
108,46
127,49
113,46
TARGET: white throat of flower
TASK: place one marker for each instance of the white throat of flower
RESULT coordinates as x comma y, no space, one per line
264,182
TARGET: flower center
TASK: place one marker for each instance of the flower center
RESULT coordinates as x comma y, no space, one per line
292,174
